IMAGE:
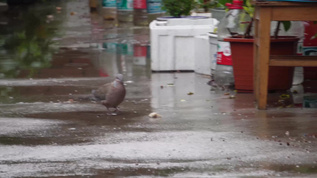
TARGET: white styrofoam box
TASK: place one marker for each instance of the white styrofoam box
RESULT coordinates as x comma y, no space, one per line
207,14
202,55
172,42
213,44
205,53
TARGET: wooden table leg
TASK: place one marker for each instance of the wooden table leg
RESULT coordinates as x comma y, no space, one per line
255,55
261,59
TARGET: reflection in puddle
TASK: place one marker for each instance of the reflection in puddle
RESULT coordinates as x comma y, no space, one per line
27,41
51,43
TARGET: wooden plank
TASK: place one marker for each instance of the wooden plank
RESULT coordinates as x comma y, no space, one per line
262,57
265,12
283,4
255,56
307,61
308,13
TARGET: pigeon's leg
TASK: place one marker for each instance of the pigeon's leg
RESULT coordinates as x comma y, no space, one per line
112,113
115,112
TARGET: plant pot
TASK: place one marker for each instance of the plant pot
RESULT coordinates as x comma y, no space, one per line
280,78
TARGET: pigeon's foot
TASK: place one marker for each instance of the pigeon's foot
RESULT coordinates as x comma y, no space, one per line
112,113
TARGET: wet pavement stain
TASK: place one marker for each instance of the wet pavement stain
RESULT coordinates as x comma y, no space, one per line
51,127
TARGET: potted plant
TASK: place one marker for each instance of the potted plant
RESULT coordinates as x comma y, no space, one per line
178,8
204,6
280,78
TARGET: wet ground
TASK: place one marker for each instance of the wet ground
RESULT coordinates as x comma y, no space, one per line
50,128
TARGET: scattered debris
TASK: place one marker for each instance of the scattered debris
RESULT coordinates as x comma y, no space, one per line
287,133
170,84
162,86
284,96
70,101
108,18
154,115
73,13
50,17
112,114
227,93
232,97
182,100
190,93
58,8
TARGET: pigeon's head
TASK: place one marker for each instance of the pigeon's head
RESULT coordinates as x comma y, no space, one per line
119,77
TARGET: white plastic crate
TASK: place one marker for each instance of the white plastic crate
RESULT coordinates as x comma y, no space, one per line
173,42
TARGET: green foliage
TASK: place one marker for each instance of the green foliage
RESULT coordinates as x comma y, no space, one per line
286,25
206,4
30,45
177,8
248,8
222,3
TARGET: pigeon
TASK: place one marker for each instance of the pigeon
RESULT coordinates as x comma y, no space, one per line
111,94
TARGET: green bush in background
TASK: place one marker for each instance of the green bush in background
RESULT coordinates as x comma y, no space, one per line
177,8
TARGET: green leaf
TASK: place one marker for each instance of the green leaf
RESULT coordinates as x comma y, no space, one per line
249,10
248,3
287,25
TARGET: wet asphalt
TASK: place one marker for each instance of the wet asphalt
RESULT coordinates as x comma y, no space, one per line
50,127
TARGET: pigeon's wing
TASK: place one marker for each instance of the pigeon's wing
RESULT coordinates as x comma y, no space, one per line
102,91
116,95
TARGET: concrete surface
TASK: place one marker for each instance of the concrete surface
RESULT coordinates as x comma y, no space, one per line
50,128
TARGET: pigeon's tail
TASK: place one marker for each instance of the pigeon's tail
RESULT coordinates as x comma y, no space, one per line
86,98
96,96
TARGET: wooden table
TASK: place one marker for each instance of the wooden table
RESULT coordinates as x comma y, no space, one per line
265,12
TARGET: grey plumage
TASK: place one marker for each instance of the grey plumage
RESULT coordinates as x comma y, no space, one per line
111,94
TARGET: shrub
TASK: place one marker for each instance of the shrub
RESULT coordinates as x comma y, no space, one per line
177,8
